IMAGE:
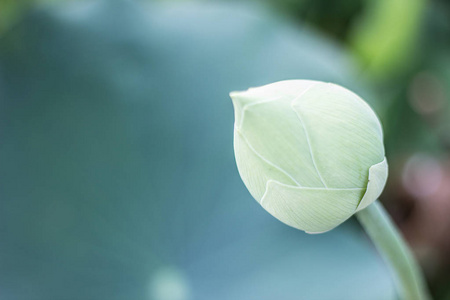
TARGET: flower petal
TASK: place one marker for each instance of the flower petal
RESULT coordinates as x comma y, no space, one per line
313,210
254,169
377,180
344,133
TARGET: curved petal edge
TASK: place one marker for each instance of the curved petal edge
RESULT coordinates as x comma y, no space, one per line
377,180
313,210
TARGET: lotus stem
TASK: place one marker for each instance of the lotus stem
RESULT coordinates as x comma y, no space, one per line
393,248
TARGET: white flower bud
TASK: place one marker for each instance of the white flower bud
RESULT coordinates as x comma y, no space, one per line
311,153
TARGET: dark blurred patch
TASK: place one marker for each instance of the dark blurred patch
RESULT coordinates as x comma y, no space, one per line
332,17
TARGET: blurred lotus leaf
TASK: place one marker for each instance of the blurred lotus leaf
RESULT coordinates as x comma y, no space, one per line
117,176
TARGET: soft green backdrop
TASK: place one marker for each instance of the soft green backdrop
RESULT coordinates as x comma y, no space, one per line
117,175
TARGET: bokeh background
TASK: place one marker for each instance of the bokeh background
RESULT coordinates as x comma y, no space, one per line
117,175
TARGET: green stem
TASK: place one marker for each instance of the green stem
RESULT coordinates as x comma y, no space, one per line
394,250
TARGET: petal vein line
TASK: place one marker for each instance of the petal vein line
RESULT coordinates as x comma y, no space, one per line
266,160
306,131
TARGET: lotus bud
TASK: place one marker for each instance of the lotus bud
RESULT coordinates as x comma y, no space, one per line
311,153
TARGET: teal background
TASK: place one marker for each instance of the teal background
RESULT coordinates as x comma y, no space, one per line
117,174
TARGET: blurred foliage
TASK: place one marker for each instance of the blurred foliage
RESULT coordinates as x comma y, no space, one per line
10,11
333,17
383,34
386,36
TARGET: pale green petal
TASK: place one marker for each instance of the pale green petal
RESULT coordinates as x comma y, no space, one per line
254,170
287,88
344,133
377,180
274,130
313,210
309,152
